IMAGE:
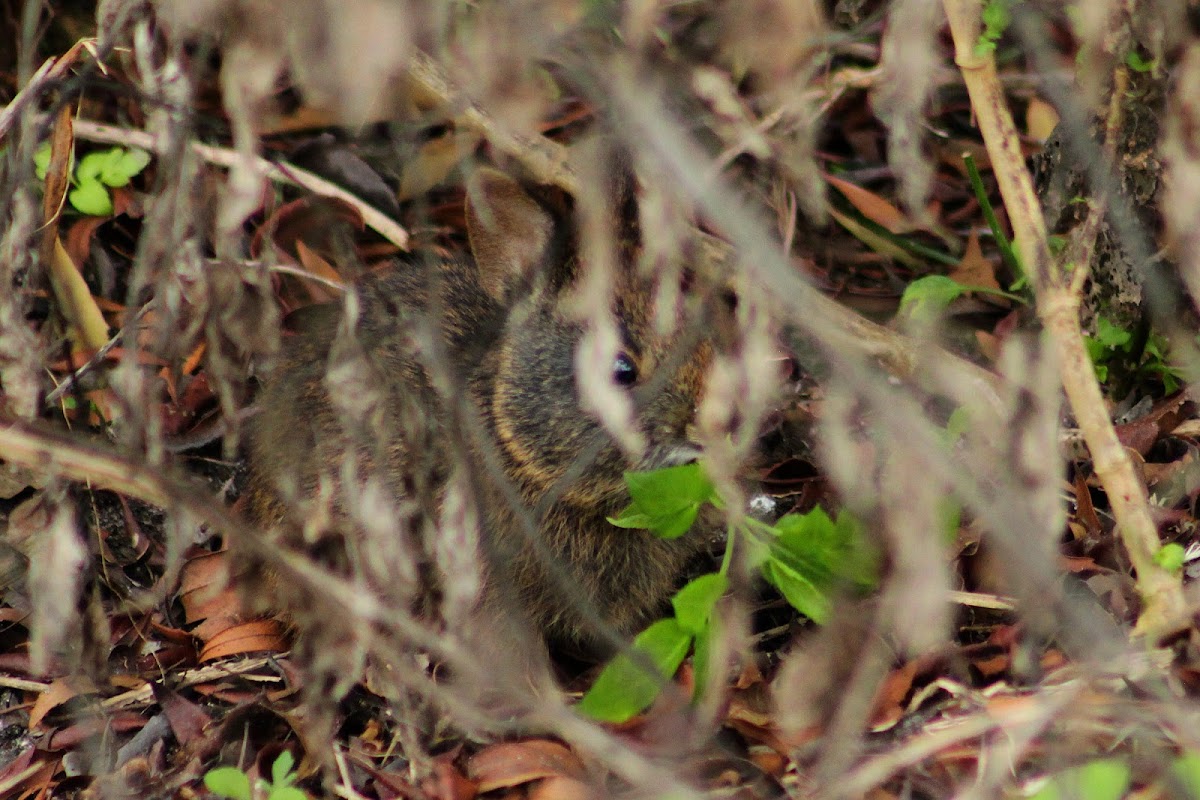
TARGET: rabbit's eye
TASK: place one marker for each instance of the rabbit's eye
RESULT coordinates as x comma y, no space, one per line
625,372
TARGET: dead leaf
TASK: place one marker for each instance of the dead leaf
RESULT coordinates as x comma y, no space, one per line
255,636
1139,435
973,268
36,784
73,736
1080,565
58,179
59,692
950,152
561,788
79,238
314,264
189,722
1085,509
315,220
204,587
890,696
872,206
1041,119
510,764
75,299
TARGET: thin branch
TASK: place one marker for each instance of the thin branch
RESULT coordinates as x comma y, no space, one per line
1058,306
281,172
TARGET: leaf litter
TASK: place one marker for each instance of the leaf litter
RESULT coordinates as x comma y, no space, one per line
95,648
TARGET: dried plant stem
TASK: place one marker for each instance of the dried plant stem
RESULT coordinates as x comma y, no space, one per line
545,159
39,448
1058,303
282,172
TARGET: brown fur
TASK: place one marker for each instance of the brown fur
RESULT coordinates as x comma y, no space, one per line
513,345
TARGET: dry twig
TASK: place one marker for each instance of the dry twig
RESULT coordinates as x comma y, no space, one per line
1058,304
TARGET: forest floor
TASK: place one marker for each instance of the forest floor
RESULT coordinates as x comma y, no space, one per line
1052,659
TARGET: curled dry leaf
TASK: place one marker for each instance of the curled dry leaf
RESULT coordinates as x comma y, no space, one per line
562,788
207,596
511,764
204,587
1139,435
255,636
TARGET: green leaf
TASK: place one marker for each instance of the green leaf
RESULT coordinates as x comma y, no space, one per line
958,424
859,560
1170,557
1187,769
91,197
41,161
1110,335
666,501
672,526
1103,779
287,793
631,518
694,603
122,165
812,554
666,490
92,165
228,782
1134,60
702,657
800,591
926,298
997,16
282,768
950,513
624,688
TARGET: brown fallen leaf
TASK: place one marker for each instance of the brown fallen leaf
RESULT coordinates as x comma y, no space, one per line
189,722
1041,119
510,764
59,692
872,206
973,268
254,636
562,788
204,588
1139,435
75,299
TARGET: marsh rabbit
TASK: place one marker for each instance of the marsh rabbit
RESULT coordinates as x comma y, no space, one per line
356,430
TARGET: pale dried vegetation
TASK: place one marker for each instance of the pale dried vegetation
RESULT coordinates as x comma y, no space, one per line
718,108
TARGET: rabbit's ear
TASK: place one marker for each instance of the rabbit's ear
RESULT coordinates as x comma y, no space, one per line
509,231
